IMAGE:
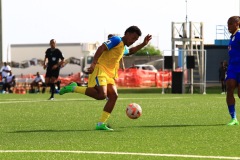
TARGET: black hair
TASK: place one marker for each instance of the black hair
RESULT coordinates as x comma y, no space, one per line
110,35
53,40
235,19
133,29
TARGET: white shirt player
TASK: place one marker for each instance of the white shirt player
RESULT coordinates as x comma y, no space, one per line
4,70
39,78
9,78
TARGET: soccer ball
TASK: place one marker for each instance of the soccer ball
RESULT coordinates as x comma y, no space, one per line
133,111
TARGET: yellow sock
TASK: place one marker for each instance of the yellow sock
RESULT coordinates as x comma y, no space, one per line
105,116
80,89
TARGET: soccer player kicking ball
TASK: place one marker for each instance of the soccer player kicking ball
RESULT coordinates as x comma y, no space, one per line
103,71
233,71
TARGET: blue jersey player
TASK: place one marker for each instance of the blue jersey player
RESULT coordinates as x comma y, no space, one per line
233,71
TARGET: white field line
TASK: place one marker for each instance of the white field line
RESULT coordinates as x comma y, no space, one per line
120,153
7,101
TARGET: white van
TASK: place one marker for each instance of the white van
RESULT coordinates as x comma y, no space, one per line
145,67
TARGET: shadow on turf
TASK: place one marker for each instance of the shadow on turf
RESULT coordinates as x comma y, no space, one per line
178,125
52,131
155,126
39,131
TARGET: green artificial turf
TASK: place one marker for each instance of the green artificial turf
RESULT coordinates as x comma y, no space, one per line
172,124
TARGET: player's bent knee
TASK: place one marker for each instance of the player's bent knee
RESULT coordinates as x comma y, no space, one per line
101,96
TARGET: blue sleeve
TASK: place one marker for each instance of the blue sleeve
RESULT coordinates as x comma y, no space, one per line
112,42
238,36
126,50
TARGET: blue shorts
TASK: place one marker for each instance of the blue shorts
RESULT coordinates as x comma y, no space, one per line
233,75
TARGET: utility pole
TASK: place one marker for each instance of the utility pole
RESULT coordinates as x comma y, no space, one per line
186,12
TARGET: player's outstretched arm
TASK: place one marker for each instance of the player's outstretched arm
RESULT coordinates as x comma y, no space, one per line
140,46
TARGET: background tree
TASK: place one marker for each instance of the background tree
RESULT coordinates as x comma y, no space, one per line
149,50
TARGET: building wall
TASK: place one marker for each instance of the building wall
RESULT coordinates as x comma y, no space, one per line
215,55
29,51
23,53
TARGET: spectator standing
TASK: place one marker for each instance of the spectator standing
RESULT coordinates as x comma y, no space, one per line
222,75
9,82
5,71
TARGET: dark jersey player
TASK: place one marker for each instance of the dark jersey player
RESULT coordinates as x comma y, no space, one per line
53,61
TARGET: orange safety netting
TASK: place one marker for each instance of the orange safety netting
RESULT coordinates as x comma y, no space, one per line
72,78
127,78
143,78
28,78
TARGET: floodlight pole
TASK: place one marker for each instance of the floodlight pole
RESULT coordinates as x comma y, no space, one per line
186,11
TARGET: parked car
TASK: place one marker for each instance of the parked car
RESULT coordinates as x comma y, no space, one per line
145,67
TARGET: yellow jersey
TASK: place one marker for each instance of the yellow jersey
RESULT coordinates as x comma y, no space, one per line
109,60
